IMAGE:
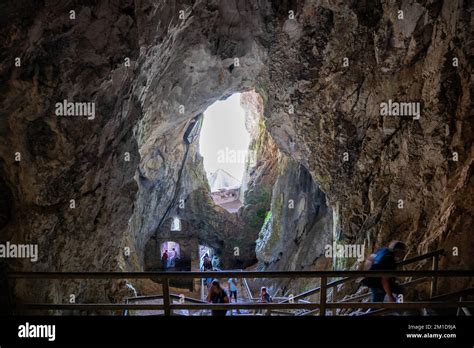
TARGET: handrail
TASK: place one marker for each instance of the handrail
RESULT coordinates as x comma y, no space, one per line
421,257
464,292
156,297
231,306
128,300
247,288
365,294
334,283
433,254
318,289
468,291
169,307
246,274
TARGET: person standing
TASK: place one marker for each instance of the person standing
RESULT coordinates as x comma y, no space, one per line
264,295
171,258
207,266
206,263
233,288
164,260
233,291
265,298
215,263
176,254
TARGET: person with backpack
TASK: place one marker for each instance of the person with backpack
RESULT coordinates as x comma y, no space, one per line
384,259
217,295
164,260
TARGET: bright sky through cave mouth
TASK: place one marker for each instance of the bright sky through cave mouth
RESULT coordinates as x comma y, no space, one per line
224,140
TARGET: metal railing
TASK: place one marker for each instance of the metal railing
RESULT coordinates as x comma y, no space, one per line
434,255
180,298
168,307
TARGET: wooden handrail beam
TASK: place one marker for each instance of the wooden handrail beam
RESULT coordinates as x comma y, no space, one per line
226,274
421,257
231,306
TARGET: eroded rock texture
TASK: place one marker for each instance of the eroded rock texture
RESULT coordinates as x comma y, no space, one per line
123,168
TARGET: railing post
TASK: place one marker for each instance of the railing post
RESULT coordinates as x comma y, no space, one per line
166,296
125,311
434,280
6,306
459,310
322,296
202,290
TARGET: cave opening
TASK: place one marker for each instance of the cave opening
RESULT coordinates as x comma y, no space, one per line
205,251
224,145
230,135
172,249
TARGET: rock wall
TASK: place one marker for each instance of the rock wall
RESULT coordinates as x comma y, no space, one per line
261,169
46,161
296,231
385,177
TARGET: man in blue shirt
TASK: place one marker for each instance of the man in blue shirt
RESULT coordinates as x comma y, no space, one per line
385,259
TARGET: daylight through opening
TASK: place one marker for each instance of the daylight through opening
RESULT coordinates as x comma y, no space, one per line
223,143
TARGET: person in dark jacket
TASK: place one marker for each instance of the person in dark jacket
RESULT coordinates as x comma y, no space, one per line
217,295
164,260
385,259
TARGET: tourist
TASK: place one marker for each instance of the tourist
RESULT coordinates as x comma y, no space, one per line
264,295
384,259
176,254
233,291
264,298
164,260
171,258
215,263
233,288
217,295
206,267
206,263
